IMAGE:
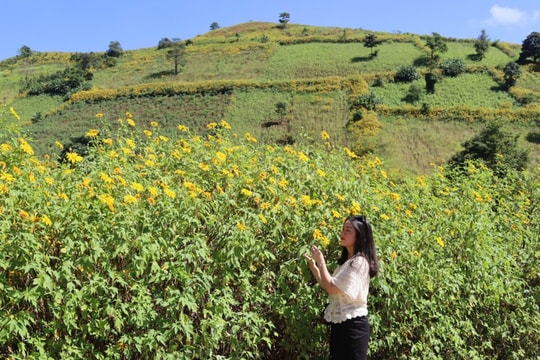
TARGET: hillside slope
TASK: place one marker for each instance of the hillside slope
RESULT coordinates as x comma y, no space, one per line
241,73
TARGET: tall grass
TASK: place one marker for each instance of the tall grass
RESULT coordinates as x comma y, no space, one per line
316,59
474,90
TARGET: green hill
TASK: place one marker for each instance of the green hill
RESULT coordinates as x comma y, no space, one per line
241,73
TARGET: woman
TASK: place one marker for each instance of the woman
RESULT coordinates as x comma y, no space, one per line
348,288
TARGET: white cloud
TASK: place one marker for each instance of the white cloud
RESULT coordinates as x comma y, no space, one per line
507,16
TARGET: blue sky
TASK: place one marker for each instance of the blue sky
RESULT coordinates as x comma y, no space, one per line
85,26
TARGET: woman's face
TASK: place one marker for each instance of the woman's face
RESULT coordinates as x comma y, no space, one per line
348,235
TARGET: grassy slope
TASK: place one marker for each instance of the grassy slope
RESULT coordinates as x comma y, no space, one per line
238,53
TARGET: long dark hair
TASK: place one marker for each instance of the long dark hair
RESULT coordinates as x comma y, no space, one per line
363,245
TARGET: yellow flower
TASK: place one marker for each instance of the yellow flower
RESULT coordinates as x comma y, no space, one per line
100,115
183,128
170,193
350,153
128,114
324,135
241,226
385,217
204,167
221,156
306,200
6,148
107,200
356,208
263,218
440,241
393,255
137,186
154,124
250,137
246,192
106,178
303,157
211,125
24,214
59,144
148,133
14,113
49,180
130,199
336,214
46,220
92,133
25,147
321,173
130,122
225,124
318,235
74,158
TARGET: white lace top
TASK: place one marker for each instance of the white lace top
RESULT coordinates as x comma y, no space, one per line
352,278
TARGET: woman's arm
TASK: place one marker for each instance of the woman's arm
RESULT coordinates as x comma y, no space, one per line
317,265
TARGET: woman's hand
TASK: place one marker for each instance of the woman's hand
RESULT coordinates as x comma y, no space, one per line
318,256
312,264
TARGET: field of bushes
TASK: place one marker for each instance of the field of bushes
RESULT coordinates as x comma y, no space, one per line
179,232
190,246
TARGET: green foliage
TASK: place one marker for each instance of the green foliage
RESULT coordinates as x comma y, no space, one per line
453,67
370,41
165,43
367,101
495,148
25,51
481,45
60,83
214,26
530,48
414,94
406,73
284,18
115,50
431,79
177,54
512,72
191,247
436,44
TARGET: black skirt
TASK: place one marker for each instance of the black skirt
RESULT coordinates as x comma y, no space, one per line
349,339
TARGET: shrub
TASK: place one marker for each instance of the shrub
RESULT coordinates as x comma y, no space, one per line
367,101
453,67
191,247
406,73
495,148
62,82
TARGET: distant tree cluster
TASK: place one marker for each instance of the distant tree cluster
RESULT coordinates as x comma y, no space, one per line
62,82
495,148
530,48
284,19
73,78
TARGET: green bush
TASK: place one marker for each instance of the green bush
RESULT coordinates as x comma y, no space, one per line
62,82
453,67
406,73
190,247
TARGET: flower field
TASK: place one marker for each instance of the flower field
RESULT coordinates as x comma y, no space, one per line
189,246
